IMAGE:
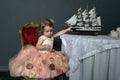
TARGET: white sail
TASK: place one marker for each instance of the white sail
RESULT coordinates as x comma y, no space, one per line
79,11
92,14
92,11
85,15
72,20
99,20
84,12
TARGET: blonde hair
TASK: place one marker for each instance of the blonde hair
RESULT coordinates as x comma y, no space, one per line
43,24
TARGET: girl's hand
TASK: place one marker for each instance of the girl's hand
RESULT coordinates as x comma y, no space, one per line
48,47
44,47
70,28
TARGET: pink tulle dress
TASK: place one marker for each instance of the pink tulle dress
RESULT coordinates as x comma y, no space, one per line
33,63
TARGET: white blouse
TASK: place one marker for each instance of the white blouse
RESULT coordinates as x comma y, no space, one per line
47,41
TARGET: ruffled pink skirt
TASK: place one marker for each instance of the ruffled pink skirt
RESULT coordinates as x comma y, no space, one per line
32,63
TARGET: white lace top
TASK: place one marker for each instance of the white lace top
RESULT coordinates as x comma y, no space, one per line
48,41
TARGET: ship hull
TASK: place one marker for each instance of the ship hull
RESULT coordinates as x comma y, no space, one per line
86,31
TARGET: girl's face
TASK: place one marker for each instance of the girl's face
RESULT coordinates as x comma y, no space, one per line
48,31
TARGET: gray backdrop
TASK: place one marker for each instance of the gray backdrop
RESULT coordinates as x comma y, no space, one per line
14,13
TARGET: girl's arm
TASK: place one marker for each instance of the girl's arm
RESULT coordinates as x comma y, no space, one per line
39,45
62,32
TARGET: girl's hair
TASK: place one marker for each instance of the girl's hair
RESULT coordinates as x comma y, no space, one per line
45,22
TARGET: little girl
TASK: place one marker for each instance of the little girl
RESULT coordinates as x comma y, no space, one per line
41,61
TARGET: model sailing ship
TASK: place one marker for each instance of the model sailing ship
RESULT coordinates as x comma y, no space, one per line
85,21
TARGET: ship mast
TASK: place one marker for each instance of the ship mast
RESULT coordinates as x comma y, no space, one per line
86,18
79,22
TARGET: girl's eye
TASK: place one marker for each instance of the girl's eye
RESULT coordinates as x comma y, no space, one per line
51,31
47,31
